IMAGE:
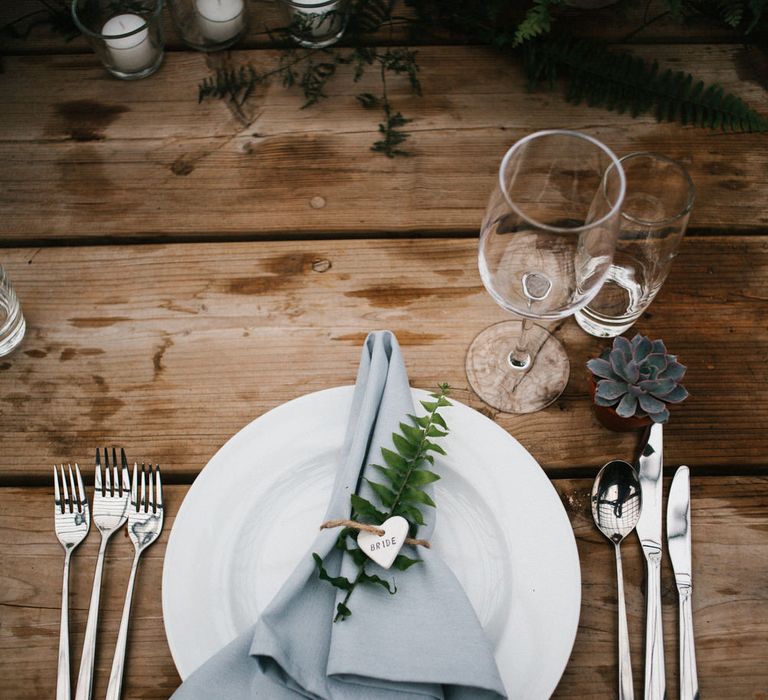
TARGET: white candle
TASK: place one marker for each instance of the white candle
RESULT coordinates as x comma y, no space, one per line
318,22
220,20
133,53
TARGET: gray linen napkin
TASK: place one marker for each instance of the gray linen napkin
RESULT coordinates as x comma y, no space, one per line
422,642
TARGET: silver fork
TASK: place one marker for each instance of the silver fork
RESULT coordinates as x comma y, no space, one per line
110,506
72,519
145,521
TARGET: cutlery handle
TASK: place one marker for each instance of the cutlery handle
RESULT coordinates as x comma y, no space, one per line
85,676
118,662
626,691
63,690
689,682
655,684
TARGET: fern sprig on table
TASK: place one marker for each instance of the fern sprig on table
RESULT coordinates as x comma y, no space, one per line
406,471
619,81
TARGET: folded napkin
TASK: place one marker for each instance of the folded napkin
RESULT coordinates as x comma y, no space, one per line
423,642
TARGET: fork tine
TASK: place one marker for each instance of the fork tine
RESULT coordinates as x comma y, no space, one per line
73,505
158,488
135,488
56,492
82,501
97,477
151,488
107,475
143,502
126,475
66,502
116,483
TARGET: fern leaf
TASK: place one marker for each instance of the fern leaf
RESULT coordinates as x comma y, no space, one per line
339,582
537,21
403,563
618,81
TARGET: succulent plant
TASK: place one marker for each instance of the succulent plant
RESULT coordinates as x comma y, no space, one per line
638,378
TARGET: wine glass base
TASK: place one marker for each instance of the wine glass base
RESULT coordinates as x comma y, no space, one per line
511,390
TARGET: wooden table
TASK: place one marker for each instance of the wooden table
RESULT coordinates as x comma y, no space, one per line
183,269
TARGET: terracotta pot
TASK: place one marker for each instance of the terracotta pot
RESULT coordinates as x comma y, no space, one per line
612,420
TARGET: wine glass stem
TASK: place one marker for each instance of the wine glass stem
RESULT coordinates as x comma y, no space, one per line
520,357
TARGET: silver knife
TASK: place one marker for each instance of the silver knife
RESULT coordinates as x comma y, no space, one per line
679,540
651,463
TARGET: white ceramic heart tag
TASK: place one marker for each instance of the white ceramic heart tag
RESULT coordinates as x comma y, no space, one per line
384,548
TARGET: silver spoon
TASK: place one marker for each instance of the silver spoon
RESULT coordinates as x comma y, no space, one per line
616,503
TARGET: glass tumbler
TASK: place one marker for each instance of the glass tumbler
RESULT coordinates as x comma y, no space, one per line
12,324
546,245
126,35
315,24
210,25
657,206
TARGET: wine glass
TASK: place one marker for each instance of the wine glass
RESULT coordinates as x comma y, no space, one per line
546,245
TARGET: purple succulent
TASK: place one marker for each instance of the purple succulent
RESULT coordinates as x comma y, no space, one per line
638,378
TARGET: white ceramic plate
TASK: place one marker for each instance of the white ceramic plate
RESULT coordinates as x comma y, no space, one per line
256,507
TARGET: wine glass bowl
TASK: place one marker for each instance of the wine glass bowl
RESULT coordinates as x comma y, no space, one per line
546,245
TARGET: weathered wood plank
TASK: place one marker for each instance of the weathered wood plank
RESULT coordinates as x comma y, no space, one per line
170,349
88,156
612,24
730,545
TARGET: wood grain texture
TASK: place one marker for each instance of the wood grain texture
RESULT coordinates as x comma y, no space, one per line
88,157
613,24
171,349
730,556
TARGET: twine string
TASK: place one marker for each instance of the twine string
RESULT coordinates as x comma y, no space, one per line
354,525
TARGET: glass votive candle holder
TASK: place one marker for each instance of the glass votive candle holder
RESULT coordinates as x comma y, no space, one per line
315,24
210,25
126,35
12,324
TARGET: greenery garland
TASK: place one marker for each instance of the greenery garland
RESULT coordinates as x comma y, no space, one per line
592,72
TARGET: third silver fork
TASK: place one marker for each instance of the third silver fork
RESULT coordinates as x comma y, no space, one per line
110,511
145,521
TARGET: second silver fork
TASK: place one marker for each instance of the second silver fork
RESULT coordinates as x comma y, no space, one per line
110,511
145,521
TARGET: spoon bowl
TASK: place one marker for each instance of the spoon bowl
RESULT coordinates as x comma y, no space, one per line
616,500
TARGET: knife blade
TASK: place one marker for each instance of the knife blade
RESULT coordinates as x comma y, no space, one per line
679,540
650,469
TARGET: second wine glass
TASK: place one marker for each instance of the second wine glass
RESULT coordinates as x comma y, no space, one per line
546,245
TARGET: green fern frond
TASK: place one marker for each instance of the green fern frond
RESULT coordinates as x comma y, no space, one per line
406,471
537,21
619,81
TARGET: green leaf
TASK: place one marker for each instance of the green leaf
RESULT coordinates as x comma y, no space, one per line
364,508
403,563
422,477
339,582
415,496
411,513
413,435
395,477
434,447
429,406
439,420
342,612
394,460
436,432
423,421
386,495
391,588
358,556
405,448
